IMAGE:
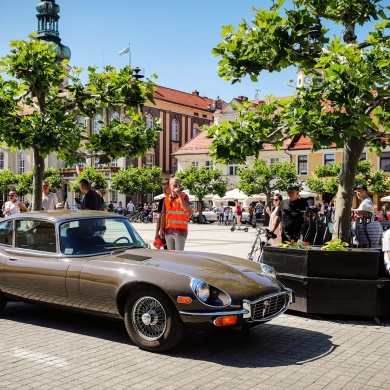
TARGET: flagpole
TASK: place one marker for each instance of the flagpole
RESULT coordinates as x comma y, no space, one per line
129,55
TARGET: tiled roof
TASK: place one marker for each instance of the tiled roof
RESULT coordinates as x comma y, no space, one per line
183,98
197,145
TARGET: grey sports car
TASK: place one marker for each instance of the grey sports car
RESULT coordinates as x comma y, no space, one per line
96,262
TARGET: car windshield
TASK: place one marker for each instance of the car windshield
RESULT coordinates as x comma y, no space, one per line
98,235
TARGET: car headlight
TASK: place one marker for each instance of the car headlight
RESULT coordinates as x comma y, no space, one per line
201,289
268,269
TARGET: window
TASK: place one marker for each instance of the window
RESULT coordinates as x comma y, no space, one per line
97,164
209,165
149,121
385,161
175,130
114,162
174,165
2,161
232,169
302,165
97,123
22,162
149,160
273,160
195,164
114,196
35,235
363,157
6,229
82,122
328,159
195,130
115,116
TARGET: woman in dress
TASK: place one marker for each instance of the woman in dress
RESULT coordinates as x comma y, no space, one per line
272,215
13,206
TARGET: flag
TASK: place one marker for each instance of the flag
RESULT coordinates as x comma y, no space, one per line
124,51
78,169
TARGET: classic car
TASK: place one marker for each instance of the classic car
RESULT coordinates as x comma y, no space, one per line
207,216
97,262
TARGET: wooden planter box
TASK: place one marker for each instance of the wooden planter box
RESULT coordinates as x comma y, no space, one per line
333,282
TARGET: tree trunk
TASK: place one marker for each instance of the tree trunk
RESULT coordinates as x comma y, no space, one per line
39,167
352,152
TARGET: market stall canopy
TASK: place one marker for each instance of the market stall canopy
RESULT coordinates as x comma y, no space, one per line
385,198
231,195
307,194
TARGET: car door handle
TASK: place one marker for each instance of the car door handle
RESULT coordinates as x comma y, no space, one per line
13,259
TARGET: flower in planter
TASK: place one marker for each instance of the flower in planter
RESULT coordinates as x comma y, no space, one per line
335,245
295,244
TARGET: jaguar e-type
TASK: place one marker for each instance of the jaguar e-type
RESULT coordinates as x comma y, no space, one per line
96,262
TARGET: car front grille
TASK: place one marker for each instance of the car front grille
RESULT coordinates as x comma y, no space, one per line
269,307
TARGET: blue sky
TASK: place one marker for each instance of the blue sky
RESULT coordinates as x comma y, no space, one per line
171,38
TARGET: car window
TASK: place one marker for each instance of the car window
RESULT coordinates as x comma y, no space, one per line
35,235
97,235
6,233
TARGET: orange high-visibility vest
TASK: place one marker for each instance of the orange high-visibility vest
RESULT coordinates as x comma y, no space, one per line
175,216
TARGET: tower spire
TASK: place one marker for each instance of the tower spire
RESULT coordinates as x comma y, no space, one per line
48,16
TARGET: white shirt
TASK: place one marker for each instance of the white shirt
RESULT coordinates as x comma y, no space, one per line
49,201
12,207
386,248
130,206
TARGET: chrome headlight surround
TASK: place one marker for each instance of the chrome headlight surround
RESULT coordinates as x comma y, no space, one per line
208,294
268,269
201,289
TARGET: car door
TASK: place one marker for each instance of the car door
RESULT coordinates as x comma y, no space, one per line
6,230
34,269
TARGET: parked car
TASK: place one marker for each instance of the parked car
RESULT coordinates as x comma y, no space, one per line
96,262
207,216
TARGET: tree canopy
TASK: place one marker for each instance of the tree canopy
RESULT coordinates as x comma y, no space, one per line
347,104
201,182
40,111
137,180
262,177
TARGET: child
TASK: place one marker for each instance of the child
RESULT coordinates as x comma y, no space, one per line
226,215
231,217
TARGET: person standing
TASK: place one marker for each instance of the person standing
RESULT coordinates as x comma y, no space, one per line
13,206
174,216
166,191
221,214
277,199
91,200
130,207
259,207
290,215
238,213
362,194
366,232
49,199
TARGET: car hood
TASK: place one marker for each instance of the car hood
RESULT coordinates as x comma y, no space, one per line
225,272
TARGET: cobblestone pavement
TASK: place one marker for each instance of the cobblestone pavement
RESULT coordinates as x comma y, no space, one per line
42,348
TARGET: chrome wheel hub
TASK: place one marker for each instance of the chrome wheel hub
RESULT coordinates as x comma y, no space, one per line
149,318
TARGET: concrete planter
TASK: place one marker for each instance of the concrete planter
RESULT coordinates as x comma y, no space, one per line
333,282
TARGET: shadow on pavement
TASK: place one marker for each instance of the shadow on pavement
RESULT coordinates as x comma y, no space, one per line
268,345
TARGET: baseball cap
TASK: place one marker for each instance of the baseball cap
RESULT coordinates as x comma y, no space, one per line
365,207
361,187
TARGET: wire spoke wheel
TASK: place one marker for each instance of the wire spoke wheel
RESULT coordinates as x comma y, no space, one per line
149,318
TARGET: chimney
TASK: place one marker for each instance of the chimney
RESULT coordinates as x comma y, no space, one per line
196,93
242,98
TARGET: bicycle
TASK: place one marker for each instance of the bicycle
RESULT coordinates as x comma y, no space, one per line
259,243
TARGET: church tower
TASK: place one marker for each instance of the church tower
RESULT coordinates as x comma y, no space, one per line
48,16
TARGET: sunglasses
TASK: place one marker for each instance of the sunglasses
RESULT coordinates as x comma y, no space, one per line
11,194
276,200
45,185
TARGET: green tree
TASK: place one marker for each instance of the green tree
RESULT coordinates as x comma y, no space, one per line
38,111
201,182
97,180
140,181
327,178
347,104
8,181
264,178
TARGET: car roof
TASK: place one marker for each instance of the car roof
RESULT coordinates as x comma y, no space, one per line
63,215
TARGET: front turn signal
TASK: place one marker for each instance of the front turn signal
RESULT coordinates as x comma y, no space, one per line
226,320
185,300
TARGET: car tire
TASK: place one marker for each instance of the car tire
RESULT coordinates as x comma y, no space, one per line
3,301
152,321
204,220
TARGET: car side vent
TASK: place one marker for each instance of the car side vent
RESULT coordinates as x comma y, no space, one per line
127,256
